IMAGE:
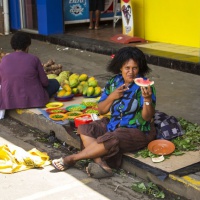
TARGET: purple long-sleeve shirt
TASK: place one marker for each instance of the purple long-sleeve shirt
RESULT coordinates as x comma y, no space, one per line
22,80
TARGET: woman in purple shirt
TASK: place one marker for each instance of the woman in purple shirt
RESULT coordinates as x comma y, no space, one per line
23,81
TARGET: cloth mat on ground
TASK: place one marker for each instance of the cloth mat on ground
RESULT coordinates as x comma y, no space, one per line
45,114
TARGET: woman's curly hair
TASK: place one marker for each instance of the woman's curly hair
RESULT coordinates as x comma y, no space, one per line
124,55
20,41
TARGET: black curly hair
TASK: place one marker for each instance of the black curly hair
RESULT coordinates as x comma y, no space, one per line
124,55
20,41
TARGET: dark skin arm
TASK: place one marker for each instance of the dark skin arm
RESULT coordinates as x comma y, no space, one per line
104,106
148,111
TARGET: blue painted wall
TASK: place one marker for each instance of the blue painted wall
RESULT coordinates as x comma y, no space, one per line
14,14
50,17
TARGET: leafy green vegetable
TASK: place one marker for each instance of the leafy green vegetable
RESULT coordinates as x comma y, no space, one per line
150,189
190,141
56,145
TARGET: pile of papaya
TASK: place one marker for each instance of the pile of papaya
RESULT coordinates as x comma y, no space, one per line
77,84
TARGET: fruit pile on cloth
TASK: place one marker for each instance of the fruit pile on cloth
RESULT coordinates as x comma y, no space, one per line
78,84
15,159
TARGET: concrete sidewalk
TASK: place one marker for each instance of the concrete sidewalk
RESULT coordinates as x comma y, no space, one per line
177,94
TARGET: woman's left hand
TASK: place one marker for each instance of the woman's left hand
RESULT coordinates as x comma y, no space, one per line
148,110
146,92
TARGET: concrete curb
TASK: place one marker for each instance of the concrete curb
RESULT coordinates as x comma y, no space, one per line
38,121
178,185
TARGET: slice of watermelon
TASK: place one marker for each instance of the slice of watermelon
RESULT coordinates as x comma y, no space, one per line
143,83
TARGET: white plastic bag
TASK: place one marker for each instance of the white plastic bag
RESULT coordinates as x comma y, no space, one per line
2,112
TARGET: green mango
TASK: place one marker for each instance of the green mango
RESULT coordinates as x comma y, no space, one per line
83,77
85,87
92,83
80,89
90,91
97,91
73,82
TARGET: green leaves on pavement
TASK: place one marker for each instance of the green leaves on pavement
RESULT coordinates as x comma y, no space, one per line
150,189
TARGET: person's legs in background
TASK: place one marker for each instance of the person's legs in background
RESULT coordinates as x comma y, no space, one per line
91,20
97,20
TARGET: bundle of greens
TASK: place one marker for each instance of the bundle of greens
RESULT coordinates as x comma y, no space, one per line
190,141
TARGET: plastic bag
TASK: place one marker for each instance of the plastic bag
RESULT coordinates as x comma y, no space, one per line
2,112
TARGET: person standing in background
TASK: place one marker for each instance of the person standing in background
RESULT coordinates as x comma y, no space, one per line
95,6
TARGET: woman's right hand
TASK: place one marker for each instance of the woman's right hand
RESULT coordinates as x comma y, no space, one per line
104,106
118,92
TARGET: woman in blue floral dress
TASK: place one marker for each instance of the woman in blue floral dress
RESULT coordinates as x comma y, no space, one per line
130,126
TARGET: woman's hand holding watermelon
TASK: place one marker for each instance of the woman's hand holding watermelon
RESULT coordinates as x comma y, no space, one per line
146,93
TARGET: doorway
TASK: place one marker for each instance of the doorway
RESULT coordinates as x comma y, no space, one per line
28,12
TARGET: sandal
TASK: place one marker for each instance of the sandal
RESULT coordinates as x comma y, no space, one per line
95,170
90,27
59,164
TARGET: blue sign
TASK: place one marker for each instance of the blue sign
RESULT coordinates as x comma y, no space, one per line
76,10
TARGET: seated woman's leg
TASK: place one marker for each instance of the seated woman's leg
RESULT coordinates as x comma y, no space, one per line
92,151
53,87
86,142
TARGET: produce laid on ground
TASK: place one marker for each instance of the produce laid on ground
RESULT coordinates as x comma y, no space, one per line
76,84
90,102
72,85
58,116
190,141
73,114
55,110
91,111
54,105
74,110
50,67
75,107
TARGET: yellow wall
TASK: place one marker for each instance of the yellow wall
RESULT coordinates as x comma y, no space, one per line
138,17
168,21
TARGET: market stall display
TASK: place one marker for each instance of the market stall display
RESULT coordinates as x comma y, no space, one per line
75,107
58,116
77,84
55,110
73,114
54,105
161,147
50,67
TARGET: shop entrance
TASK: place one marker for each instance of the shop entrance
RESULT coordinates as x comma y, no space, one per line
28,13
